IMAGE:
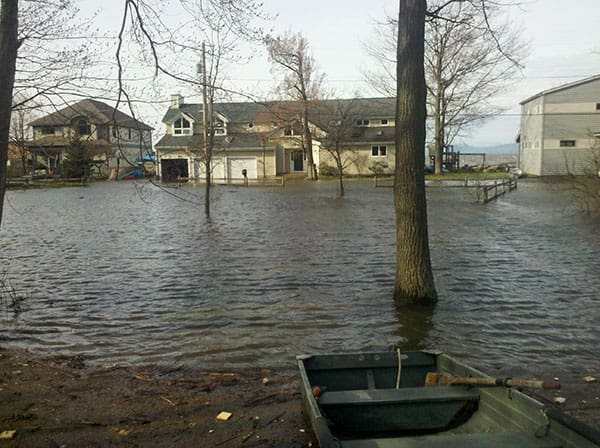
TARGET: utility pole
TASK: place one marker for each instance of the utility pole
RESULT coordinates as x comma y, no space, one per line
206,146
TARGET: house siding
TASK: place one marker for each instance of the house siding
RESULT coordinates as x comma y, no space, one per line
561,114
581,93
530,147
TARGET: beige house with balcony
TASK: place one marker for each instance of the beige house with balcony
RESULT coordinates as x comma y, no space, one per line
266,139
560,130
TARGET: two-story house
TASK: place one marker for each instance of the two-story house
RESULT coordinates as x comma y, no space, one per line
241,142
560,130
114,139
266,139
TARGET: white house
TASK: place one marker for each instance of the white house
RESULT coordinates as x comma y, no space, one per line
560,130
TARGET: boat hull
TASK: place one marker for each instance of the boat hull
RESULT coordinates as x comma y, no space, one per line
361,400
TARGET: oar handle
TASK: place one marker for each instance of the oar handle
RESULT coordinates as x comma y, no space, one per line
437,379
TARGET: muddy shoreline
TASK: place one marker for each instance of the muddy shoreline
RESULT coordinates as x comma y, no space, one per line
63,402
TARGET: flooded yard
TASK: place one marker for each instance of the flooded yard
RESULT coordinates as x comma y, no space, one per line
126,273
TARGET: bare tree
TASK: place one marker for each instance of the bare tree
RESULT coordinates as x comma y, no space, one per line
19,137
467,64
337,122
9,45
584,187
414,277
471,56
302,82
56,55
213,33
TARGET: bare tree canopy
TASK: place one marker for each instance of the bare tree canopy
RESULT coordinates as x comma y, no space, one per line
55,55
337,120
302,82
471,56
210,42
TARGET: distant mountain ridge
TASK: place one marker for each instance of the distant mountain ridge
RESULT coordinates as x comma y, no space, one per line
507,148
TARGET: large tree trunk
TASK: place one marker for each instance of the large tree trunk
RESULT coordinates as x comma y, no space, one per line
8,58
414,277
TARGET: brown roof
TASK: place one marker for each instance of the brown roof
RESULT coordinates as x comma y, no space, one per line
95,111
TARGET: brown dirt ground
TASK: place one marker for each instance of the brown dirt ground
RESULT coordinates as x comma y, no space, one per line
61,402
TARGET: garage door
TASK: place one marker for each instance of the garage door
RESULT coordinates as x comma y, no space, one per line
217,169
173,169
235,165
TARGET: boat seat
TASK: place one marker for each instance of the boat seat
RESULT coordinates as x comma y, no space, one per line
404,395
476,440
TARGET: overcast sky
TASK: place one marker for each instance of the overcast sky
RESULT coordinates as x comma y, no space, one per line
564,37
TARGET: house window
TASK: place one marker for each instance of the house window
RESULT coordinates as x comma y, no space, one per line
219,127
597,106
129,133
379,151
48,130
384,122
289,131
182,127
567,143
83,127
362,122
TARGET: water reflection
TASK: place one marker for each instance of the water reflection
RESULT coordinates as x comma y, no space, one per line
276,272
415,324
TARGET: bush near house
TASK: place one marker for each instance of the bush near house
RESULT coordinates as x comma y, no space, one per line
78,160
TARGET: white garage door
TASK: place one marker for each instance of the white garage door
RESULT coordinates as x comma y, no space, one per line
235,165
218,172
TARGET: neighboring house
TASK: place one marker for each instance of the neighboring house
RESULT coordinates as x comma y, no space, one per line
560,130
114,139
266,139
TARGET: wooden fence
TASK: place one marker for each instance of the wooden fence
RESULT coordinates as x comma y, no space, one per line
487,193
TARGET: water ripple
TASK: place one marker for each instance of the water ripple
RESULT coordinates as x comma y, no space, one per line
277,272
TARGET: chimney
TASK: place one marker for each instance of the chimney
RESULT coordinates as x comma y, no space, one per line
176,101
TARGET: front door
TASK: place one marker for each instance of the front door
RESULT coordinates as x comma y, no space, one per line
298,160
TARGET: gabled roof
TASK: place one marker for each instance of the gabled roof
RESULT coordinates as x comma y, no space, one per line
239,140
254,112
96,112
237,112
561,87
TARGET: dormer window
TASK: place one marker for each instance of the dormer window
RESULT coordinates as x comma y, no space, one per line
83,127
219,127
362,123
182,127
48,130
291,130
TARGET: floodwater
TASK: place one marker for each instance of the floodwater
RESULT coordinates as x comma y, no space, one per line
127,273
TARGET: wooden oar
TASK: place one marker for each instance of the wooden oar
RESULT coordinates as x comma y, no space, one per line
445,379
